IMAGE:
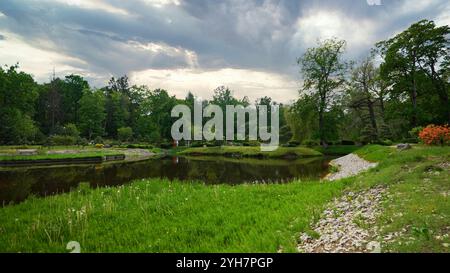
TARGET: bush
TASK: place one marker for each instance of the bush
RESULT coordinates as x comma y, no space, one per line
57,140
387,142
139,146
98,140
348,143
82,142
125,134
435,135
70,129
99,146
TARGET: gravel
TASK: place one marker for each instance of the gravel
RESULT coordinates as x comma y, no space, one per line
347,225
349,165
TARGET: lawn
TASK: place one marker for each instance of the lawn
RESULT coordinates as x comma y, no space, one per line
251,152
160,216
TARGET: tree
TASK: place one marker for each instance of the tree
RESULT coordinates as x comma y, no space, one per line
323,74
362,96
72,92
155,121
415,56
92,113
18,93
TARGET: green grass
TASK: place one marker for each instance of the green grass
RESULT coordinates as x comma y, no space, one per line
418,203
86,154
160,216
251,152
337,150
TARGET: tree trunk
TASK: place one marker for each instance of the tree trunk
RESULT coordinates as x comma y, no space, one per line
372,117
322,121
414,103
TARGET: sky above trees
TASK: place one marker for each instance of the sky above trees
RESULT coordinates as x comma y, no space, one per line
250,46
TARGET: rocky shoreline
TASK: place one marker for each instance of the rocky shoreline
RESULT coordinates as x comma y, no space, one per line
348,223
349,165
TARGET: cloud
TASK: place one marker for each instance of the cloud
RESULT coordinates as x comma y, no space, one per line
33,60
254,84
104,38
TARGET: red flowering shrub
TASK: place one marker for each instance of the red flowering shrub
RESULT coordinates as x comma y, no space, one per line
435,135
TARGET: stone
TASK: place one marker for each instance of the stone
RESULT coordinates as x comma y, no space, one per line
27,152
404,146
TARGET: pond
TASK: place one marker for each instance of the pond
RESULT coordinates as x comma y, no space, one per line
16,184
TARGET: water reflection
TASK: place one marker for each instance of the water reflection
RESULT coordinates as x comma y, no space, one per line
16,184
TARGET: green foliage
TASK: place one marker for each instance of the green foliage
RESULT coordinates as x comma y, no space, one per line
58,140
92,114
322,88
125,134
98,140
18,92
414,132
70,129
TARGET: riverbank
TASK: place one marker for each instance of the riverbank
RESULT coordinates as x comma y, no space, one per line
401,205
240,151
192,217
13,156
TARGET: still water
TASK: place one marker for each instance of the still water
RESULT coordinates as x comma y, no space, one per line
16,184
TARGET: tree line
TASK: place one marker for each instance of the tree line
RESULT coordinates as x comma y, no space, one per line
401,85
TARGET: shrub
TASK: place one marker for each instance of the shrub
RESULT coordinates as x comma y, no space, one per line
99,146
125,134
387,142
98,140
435,135
70,129
139,146
57,140
83,141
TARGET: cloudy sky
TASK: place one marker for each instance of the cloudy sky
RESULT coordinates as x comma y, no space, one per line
188,45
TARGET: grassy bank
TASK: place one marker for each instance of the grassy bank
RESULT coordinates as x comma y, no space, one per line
337,150
161,216
418,203
251,152
81,154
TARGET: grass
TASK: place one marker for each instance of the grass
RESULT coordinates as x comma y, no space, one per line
82,154
337,149
162,216
417,206
251,152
